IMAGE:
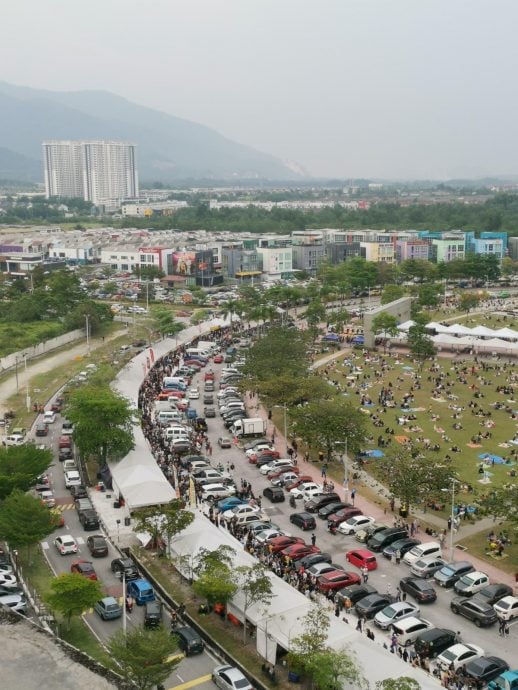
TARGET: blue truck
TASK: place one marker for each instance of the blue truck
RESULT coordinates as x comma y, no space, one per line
505,681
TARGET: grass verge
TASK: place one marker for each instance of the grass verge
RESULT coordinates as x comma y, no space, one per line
478,546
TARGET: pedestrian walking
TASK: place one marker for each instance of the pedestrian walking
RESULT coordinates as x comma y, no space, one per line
398,557
313,539
353,494
359,625
501,627
398,594
365,573
324,470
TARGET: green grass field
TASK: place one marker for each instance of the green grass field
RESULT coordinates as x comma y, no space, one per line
17,336
434,414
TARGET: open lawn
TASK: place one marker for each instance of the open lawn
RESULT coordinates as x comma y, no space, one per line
453,405
478,545
17,336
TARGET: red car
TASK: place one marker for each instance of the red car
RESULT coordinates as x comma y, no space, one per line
193,363
279,543
336,579
297,551
300,480
218,359
361,558
282,470
84,568
65,442
341,516
179,395
182,405
209,376
273,454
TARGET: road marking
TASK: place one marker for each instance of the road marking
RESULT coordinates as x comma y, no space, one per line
173,657
192,683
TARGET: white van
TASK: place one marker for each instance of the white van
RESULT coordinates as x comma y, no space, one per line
409,628
165,417
198,352
168,406
49,417
175,432
431,548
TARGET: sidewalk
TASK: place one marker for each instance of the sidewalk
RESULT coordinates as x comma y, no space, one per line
377,511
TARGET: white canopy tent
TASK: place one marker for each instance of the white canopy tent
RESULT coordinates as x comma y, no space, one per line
437,327
506,333
483,331
458,329
278,622
406,325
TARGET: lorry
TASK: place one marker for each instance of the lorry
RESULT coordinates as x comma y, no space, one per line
251,426
505,681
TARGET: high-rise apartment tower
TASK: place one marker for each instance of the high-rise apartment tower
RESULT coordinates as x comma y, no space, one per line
96,171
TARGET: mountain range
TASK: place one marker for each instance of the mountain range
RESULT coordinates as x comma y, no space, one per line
169,148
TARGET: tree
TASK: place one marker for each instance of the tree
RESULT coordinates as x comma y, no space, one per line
256,587
102,421
199,316
20,467
360,274
165,321
215,577
148,272
145,657
231,309
401,683
386,324
71,594
468,301
24,520
168,519
420,343
312,640
98,314
502,502
391,293
412,476
315,313
429,296
323,423
332,668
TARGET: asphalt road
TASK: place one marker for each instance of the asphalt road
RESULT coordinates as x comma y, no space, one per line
385,578
192,671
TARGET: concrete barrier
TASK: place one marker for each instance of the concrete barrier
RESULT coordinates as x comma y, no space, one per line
11,361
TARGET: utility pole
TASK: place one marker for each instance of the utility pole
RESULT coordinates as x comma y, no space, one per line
87,319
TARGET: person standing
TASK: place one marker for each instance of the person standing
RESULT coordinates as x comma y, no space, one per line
353,495
365,573
313,539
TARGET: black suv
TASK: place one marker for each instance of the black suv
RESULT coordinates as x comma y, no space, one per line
88,518
315,504
384,537
188,640
153,614
274,493
125,565
432,642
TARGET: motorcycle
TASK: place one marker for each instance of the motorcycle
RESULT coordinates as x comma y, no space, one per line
129,604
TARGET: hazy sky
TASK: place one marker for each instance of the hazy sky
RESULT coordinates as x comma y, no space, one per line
390,88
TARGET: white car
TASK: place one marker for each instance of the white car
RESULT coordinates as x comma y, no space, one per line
16,602
313,493
230,678
458,655
256,450
262,537
72,478
395,612
6,568
193,394
300,491
285,478
47,497
354,524
237,511
65,544
213,491
507,608
471,583
8,580
276,465
49,417
13,440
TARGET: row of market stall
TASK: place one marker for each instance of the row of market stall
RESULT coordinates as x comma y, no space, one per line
457,337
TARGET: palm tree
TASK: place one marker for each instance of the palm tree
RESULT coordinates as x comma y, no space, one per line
232,308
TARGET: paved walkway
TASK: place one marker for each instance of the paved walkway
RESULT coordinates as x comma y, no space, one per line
380,510
46,363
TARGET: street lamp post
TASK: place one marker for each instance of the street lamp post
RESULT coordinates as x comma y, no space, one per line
283,406
345,463
27,397
453,482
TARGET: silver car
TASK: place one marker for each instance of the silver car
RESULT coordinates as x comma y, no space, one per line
230,678
16,602
426,567
395,612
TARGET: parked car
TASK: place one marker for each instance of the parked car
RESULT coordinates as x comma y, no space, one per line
153,614
315,504
430,548
379,540
401,545
479,612
212,492
14,601
493,593
335,519
230,678
362,558
41,429
8,581
297,551
303,520
507,608
426,567
84,568
66,544
313,558
189,640
277,544
97,545
457,655
89,519
430,643
448,575
485,669
331,508
224,442
108,608
321,568
470,584
369,606
126,566
419,588
355,523
365,533
337,579
274,493
354,593
409,629
141,591
395,612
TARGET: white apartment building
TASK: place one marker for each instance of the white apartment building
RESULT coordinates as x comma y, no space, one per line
96,171
276,260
